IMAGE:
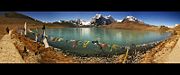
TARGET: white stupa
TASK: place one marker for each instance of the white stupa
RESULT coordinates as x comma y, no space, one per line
36,38
25,29
45,42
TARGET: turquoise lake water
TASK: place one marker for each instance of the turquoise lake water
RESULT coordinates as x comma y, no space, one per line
118,37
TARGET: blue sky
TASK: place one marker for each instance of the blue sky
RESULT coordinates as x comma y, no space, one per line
154,18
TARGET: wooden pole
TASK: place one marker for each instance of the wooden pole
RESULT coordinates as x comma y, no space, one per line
125,58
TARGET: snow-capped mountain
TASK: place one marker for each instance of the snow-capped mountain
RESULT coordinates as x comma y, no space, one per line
170,26
99,19
110,18
118,20
177,24
85,23
77,22
131,19
81,22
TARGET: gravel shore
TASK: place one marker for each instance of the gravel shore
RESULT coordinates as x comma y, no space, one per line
160,53
20,49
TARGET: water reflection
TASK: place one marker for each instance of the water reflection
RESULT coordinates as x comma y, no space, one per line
118,37
85,33
110,36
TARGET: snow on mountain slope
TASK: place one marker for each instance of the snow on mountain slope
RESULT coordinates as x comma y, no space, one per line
131,19
118,20
99,19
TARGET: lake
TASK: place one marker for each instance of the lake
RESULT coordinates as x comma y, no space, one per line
118,37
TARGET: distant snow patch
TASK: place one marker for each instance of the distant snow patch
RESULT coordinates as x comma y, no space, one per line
118,20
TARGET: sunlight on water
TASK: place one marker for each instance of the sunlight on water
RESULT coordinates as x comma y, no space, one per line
118,37
110,36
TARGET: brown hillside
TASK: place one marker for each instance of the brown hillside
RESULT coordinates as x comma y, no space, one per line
14,20
132,25
177,28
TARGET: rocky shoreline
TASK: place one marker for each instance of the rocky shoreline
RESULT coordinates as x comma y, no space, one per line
52,55
36,53
33,52
160,52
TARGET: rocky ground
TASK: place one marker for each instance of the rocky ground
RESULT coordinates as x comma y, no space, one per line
28,51
33,52
160,53
38,54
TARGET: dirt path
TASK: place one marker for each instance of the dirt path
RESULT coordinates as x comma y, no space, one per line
174,56
8,51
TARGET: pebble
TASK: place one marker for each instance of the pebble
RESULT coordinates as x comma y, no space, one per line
112,59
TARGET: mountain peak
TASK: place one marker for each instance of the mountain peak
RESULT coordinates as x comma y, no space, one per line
98,16
131,19
109,16
99,19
